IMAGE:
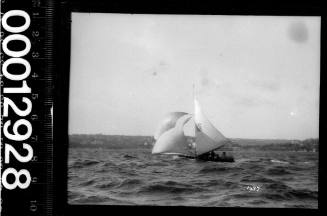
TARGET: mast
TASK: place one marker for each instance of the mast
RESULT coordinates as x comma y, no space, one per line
194,96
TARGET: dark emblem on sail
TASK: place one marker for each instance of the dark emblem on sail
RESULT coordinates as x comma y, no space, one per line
199,127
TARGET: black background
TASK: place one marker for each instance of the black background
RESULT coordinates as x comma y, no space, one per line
53,155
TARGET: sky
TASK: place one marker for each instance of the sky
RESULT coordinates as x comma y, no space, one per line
254,76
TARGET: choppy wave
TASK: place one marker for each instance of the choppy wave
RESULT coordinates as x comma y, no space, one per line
83,163
169,187
217,169
135,177
278,170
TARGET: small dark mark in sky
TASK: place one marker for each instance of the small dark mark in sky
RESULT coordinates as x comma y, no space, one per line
298,32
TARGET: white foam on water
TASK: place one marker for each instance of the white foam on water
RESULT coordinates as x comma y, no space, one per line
176,157
278,161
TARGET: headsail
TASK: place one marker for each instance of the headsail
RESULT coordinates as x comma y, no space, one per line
207,137
173,141
168,122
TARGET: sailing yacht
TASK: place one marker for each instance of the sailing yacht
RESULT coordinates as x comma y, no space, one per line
170,137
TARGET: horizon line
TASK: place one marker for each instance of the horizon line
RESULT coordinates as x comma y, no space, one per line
192,136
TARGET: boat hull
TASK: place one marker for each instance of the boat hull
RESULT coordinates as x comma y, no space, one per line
226,159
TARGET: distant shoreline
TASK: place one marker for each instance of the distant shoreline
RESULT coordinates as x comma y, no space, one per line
122,141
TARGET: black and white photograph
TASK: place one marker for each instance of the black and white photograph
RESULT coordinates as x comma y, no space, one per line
194,110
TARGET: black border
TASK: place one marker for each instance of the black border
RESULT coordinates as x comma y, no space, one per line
61,90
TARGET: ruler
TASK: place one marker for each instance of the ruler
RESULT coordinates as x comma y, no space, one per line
26,107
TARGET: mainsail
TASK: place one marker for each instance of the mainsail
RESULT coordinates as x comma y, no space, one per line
207,137
173,140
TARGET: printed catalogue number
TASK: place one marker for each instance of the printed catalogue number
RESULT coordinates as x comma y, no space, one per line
20,88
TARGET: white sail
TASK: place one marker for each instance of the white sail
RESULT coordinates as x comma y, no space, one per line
173,141
168,122
207,137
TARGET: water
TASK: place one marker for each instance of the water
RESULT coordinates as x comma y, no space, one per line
135,177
